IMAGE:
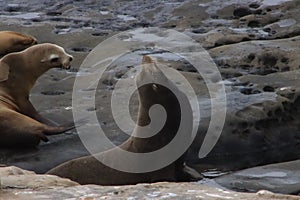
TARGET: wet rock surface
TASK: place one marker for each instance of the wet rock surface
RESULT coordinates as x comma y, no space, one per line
254,44
262,103
281,178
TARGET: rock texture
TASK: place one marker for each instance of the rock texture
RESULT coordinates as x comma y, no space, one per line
263,103
280,178
16,178
255,45
19,184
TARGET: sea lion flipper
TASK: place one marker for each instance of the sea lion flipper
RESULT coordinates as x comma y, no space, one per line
190,174
11,41
4,71
29,41
52,130
66,127
55,130
43,138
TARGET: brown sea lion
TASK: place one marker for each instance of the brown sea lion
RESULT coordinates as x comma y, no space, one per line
88,170
20,123
11,41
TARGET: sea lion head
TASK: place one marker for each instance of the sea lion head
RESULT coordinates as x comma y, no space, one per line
32,62
153,85
53,56
154,88
11,41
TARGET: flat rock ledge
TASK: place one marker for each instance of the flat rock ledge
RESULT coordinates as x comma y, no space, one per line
18,184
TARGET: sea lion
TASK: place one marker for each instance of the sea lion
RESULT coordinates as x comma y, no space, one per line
88,170
11,41
20,123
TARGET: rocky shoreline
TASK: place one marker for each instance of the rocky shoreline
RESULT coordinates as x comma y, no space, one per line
255,45
19,184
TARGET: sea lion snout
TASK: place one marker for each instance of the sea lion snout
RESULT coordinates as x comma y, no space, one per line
66,59
67,62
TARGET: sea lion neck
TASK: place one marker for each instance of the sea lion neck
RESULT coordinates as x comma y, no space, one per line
162,96
155,89
20,80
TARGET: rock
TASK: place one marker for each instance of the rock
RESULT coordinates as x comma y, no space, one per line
279,178
219,37
240,21
13,171
13,177
258,57
14,8
42,187
262,104
242,11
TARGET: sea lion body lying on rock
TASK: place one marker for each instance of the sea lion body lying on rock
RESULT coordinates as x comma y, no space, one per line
11,41
88,170
20,123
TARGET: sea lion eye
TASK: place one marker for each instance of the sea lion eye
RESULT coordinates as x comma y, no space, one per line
54,60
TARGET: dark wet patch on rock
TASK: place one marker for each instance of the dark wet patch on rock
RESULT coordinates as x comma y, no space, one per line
91,109
53,93
254,24
249,91
269,89
97,34
14,8
199,30
81,49
268,60
53,13
75,70
241,12
254,5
